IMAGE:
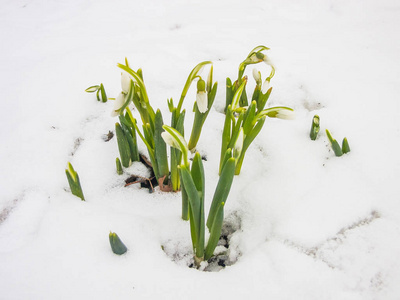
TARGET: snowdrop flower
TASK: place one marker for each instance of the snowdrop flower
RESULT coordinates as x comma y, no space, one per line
201,98
265,86
237,149
125,82
173,138
119,102
285,114
268,61
257,76
168,139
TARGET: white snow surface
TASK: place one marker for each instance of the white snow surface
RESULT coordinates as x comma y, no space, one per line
310,225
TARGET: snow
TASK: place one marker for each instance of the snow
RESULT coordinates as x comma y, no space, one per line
309,225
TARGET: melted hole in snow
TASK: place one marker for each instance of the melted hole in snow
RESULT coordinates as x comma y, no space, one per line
226,253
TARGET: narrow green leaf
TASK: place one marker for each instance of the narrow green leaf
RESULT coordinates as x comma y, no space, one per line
119,166
263,98
185,204
193,196
160,148
314,128
215,232
226,136
345,146
103,93
117,246
247,141
123,146
222,190
238,95
229,93
92,89
74,182
249,118
335,145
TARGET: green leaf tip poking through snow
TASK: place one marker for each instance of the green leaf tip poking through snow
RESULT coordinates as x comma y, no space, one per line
74,182
117,246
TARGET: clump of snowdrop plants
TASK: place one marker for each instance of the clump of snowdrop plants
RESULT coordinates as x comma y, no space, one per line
243,122
248,119
193,182
339,151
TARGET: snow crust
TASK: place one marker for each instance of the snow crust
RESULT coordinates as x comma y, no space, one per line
312,225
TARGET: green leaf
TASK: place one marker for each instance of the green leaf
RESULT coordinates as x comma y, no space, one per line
238,95
74,182
103,93
314,128
249,118
160,148
263,98
194,199
229,93
335,145
123,146
117,245
226,136
247,141
345,146
215,232
119,166
92,89
222,190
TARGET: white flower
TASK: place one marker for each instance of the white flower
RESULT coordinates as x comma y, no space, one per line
265,86
169,140
286,114
119,102
202,102
237,149
268,61
256,75
173,138
125,82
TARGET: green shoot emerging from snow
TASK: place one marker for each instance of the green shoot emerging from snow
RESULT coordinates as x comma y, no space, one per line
336,147
74,182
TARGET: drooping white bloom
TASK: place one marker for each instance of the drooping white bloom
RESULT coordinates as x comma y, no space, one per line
265,86
202,102
268,61
256,75
173,138
119,102
237,149
286,114
168,139
125,82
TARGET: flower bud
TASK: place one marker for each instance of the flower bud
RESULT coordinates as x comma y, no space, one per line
125,82
119,102
237,149
201,98
265,86
257,76
285,114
